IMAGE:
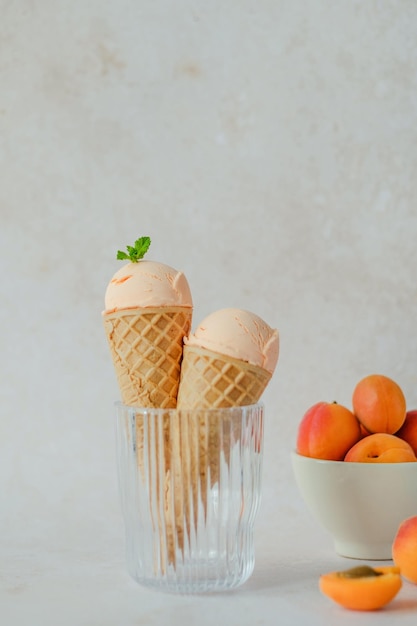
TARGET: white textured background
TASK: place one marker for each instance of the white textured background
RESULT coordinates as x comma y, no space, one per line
270,150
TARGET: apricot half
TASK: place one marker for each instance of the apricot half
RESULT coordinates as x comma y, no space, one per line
379,404
362,588
381,448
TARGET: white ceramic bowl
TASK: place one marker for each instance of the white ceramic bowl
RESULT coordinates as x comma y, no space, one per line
361,505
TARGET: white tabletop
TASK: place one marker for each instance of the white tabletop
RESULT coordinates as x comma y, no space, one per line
71,572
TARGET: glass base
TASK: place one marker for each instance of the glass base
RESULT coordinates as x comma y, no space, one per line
198,577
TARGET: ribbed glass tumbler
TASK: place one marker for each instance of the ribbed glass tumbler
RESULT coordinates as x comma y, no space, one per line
190,483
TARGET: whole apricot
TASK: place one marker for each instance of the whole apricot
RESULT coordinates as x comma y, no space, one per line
381,448
408,430
362,588
404,549
327,431
379,404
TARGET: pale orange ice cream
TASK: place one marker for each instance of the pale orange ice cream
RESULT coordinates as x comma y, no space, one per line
147,284
239,334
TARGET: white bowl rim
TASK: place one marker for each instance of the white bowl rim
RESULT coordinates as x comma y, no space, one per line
313,460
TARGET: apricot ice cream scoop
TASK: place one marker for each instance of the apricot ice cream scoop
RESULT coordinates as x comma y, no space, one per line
146,284
239,334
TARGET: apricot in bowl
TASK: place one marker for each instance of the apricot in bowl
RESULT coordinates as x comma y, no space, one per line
361,505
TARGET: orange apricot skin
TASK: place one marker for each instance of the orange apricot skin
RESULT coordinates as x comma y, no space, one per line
327,431
364,432
408,430
364,593
381,448
379,404
404,549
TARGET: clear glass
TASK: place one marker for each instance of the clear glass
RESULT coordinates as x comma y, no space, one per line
190,485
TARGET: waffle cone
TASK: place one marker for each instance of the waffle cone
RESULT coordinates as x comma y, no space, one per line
146,345
211,380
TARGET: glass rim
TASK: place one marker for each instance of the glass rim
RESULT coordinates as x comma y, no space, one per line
152,410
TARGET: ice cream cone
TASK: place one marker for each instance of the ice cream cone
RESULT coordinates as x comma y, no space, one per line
210,380
146,346
148,310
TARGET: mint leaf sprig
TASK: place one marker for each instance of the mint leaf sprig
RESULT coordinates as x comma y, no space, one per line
135,252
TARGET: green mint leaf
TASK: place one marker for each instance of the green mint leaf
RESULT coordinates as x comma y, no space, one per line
136,252
132,252
142,245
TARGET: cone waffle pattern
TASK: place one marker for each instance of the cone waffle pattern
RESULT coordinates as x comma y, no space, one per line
211,380
146,346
